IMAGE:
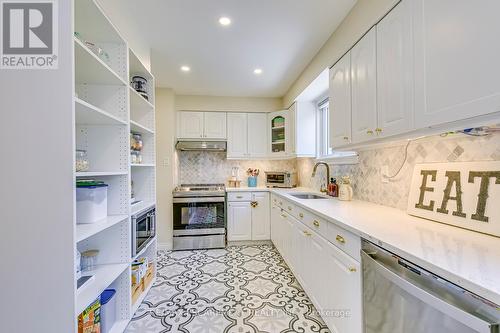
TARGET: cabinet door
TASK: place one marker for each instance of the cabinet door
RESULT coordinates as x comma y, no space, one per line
340,102
457,72
343,290
395,72
190,125
277,124
276,227
215,125
290,131
304,128
237,135
239,221
257,134
364,88
261,228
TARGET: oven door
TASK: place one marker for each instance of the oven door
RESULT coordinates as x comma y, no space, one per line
275,179
203,215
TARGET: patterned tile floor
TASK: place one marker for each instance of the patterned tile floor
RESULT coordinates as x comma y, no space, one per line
241,289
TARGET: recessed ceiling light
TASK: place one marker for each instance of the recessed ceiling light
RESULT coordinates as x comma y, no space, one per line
225,21
185,68
257,71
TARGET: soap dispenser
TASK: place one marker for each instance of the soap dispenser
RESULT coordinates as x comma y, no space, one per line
345,189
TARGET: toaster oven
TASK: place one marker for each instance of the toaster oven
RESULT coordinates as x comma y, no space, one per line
282,179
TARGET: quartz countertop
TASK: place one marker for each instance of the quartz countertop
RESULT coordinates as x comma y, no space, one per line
466,258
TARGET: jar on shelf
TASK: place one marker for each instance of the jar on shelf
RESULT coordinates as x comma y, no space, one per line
89,260
138,141
135,157
81,161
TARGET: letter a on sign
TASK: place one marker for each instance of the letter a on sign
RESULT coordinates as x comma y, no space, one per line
465,195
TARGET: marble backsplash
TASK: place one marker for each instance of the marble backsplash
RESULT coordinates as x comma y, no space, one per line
212,167
366,176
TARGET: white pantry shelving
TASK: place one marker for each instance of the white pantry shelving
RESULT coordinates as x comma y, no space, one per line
107,109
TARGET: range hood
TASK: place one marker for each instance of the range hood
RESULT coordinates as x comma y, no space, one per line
201,145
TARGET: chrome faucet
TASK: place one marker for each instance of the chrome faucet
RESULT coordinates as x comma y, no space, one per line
324,190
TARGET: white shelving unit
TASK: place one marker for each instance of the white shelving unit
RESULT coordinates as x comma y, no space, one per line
107,109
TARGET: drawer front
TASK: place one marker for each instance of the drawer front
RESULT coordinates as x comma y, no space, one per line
290,208
345,240
317,224
239,196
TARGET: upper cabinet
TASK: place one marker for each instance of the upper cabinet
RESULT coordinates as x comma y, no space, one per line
457,73
340,102
201,125
395,72
246,135
279,139
364,87
302,129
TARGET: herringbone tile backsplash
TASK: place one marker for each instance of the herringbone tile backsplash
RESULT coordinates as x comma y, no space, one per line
367,178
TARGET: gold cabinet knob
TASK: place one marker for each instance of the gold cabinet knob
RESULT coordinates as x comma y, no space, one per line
307,233
352,269
369,132
378,130
346,138
281,202
301,215
340,239
316,223
283,216
289,208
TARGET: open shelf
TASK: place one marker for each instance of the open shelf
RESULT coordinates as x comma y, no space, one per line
144,250
137,67
84,231
145,165
139,102
141,206
100,173
88,114
138,128
141,298
89,68
91,22
104,275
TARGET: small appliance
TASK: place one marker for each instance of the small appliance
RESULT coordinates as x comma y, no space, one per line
283,179
143,229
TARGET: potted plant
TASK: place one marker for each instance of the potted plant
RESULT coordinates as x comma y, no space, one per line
252,177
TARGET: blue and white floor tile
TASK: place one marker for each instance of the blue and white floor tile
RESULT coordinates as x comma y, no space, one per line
241,289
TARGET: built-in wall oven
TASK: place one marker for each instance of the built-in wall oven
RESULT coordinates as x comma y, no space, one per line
143,229
199,217
401,297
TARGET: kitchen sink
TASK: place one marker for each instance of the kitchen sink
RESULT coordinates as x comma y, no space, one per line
308,196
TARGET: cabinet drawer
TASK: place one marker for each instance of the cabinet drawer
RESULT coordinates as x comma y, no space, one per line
317,224
344,240
278,201
239,196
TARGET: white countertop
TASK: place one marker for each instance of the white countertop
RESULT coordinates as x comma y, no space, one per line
467,258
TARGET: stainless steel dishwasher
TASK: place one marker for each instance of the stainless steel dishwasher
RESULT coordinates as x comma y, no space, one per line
400,297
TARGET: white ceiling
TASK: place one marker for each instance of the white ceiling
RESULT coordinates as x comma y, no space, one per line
279,36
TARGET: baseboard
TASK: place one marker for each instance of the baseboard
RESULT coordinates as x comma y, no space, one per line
236,243
165,246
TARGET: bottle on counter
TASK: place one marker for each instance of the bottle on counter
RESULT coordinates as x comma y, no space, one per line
335,188
330,187
345,189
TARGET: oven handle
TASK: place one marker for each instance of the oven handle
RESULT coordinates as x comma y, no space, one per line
458,314
199,199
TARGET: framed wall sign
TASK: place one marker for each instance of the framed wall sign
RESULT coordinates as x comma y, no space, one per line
465,195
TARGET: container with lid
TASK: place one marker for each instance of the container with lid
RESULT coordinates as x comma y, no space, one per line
89,260
81,161
108,310
91,202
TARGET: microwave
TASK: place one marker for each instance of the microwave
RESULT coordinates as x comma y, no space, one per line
143,229
282,179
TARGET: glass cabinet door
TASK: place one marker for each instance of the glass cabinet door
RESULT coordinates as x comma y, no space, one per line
278,133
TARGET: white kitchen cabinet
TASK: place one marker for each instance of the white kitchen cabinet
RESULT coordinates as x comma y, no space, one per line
340,102
257,135
201,125
261,224
239,221
302,129
395,72
279,133
249,220
214,125
190,125
457,72
364,88
237,137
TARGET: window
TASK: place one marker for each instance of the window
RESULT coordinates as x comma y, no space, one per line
324,149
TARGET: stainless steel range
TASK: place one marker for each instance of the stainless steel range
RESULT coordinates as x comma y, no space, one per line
199,216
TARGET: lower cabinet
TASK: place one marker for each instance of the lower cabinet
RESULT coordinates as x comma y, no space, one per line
330,277
249,219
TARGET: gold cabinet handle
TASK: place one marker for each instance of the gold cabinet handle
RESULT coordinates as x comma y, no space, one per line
283,215
281,202
316,223
307,233
239,197
352,269
254,204
301,215
378,130
340,239
369,132
289,208
346,138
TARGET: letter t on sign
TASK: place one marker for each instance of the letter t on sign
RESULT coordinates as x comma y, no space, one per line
424,188
483,192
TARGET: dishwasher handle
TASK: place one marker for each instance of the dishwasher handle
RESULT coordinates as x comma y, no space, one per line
468,319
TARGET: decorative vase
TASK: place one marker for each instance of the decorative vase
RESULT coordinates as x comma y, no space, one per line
252,181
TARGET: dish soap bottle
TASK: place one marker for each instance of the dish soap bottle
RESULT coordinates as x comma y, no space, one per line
335,189
345,189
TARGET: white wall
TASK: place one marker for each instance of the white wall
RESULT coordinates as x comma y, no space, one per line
37,279
165,167
359,20
221,103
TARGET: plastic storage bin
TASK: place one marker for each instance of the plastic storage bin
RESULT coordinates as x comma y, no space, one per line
91,203
108,310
